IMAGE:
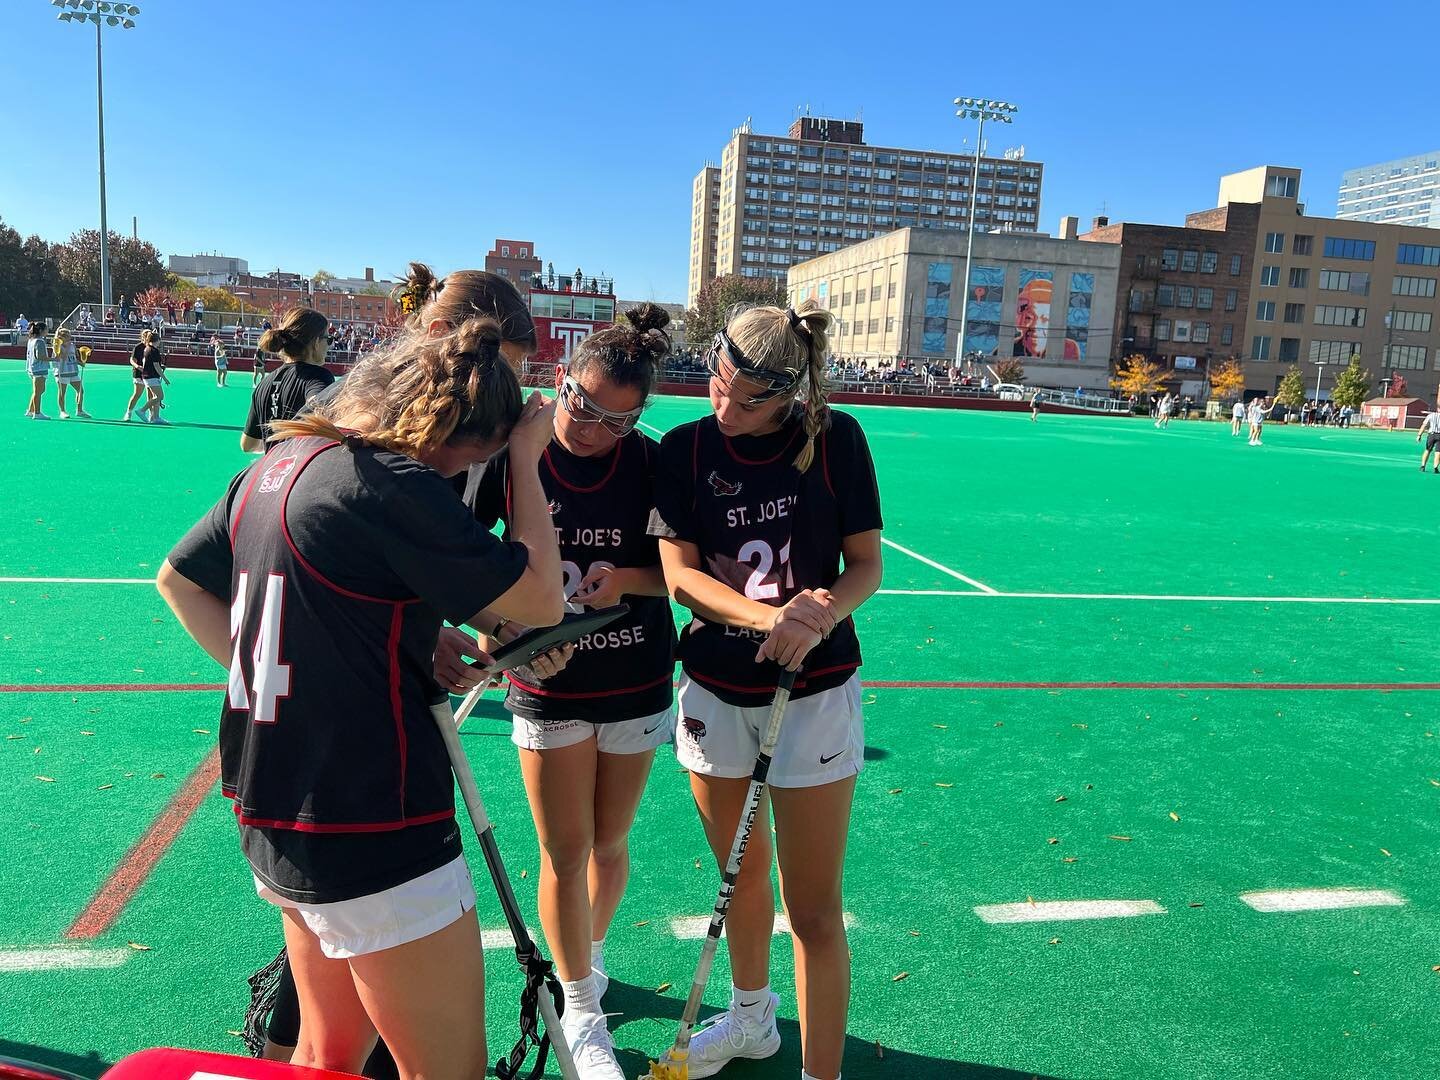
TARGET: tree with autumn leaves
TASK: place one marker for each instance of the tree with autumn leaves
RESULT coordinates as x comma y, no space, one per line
1227,382
1138,376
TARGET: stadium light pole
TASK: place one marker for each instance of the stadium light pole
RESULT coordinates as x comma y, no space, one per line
978,109
120,16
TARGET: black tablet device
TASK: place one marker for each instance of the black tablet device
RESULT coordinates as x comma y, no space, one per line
542,639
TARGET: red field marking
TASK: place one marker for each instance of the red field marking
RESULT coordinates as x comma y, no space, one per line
105,688
127,877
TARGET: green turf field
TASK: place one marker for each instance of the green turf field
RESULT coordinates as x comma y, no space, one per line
1126,678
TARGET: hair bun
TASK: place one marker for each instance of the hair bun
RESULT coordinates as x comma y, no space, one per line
648,317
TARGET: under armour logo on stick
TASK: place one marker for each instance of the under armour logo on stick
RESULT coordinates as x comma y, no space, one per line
723,487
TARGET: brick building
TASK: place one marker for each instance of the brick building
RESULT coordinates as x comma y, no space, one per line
362,300
516,260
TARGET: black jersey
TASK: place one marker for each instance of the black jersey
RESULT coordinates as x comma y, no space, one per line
282,394
769,532
339,563
152,363
601,509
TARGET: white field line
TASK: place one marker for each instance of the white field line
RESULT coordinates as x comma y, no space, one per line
694,927
939,566
1066,910
988,592
1320,899
61,958
499,939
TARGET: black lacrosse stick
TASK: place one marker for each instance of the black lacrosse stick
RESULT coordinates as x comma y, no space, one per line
539,978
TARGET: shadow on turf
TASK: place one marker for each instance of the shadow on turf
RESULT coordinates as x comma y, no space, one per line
90,1065
641,1015
173,423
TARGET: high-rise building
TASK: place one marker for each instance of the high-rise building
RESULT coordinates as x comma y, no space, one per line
776,200
1297,290
1405,191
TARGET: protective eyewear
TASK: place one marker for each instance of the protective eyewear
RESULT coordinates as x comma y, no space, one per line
772,382
584,411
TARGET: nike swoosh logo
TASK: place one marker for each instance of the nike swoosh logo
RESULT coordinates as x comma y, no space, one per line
826,760
749,1004
657,727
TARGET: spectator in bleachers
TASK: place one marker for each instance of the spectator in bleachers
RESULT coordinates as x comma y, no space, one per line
199,310
86,322
222,362
185,309
124,309
37,366
170,308
67,373
22,325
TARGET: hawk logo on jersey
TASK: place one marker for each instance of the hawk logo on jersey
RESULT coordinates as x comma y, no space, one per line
553,506
694,729
275,475
722,486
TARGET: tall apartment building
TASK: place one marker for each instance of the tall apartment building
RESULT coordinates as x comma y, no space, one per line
1405,191
775,201
1310,291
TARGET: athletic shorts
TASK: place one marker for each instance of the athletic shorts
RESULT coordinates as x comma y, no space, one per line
822,739
410,911
621,737
153,384
38,371
68,380
1432,441
222,365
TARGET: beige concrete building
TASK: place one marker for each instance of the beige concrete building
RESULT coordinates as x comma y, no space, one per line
1048,302
1324,289
778,200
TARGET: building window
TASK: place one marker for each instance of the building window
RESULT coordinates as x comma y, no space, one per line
889,324
1345,281
875,291
1170,259
845,300
1208,261
1190,261
1409,357
1294,313
1289,350
892,290
1301,244
1227,334
1162,329
1299,276
1333,352
874,326
1411,320
1275,243
1332,315
504,251
1165,296
1260,348
1232,298
1270,276
1185,296
1200,333
1338,247
1235,263
1281,187
1413,286
1265,310
524,253
1204,299
1418,255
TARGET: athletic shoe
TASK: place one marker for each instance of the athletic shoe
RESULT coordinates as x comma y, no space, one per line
64,415
140,416
160,420
592,1048
126,418
83,415
728,1036
39,416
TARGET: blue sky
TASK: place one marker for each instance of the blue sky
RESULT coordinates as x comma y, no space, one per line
317,134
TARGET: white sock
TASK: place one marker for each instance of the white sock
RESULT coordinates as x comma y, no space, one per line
580,997
806,1076
597,955
750,1004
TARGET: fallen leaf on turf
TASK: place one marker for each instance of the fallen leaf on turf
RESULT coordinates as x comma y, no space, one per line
1174,816
1070,858
697,864
138,947
898,978
1053,840
157,776
1054,941
1436,968
896,790
87,733
128,775
1354,972
1198,903
1436,783
914,933
37,749
237,1034
642,922
662,988
104,787
940,783
942,727
201,731
1082,726
999,723
1030,900
46,779
1126,838
1385,853
524,873
1060,798
1089,787
12,738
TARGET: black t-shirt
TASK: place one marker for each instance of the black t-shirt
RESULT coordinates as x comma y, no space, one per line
339,564
137,359
768,531
601,508
282,394
150,362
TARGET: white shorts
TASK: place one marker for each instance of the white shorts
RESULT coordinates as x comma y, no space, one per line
68,380
37,372
622,737
410,911
154,384
821,741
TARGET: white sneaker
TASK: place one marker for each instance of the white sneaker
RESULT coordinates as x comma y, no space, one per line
728,1036
39,416
126,418
591,1047
161,421
64,415
83,415
140,416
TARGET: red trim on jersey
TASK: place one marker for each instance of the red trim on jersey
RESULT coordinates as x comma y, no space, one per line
538,692
767,461
240,510
358,827
305,563
397,708
615,464
800,684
